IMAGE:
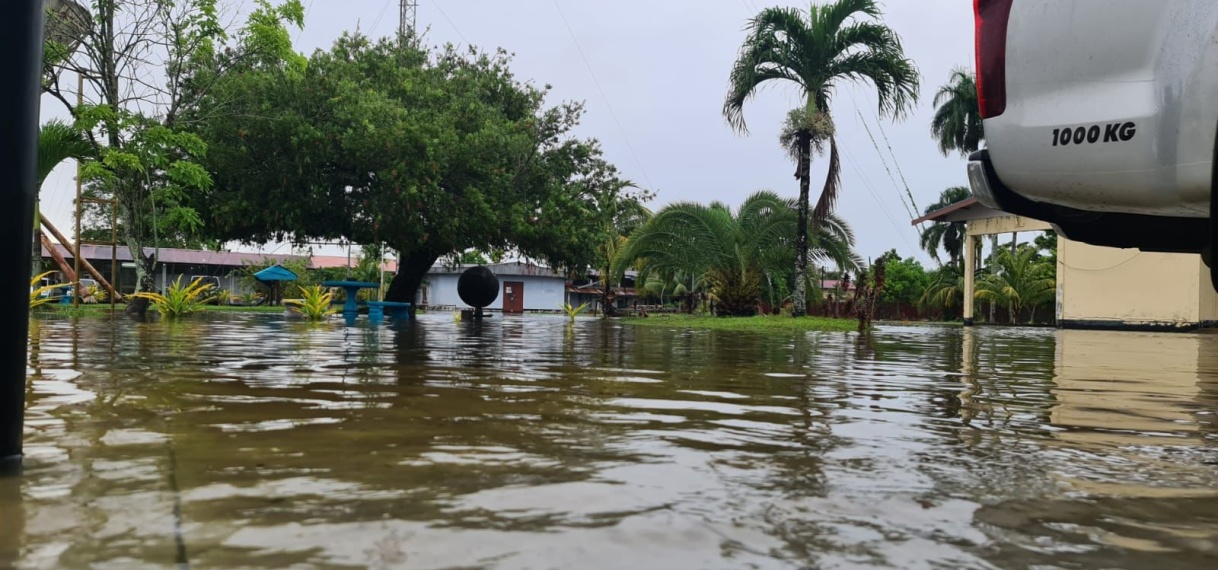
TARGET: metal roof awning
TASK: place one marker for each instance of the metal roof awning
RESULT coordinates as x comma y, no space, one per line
965,210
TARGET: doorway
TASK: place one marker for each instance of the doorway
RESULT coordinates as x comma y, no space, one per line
513,297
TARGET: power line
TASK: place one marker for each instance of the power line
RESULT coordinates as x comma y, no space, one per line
597,82
875,196
450,22
884,161
377,21
895,163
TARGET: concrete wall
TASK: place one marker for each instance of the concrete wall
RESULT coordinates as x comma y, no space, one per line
540,293
1109,287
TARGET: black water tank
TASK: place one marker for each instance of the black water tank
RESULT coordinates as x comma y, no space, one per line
478,287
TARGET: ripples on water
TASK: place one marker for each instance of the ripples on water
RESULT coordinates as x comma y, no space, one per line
249,441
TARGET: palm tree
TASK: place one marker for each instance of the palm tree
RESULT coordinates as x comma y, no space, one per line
815,50
1023,279
957,123
947,236
628,216
57,142
731,254
946,291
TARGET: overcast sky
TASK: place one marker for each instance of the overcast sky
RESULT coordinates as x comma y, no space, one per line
654,73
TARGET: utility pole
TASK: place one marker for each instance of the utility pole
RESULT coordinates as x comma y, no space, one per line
21,31
409,15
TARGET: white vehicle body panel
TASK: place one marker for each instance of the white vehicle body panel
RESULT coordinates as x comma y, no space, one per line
1138,77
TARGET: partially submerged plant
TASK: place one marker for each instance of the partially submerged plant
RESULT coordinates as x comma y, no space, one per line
573,312
36,298
179,300
314,303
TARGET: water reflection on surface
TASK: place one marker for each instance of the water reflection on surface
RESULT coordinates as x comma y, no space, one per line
249,441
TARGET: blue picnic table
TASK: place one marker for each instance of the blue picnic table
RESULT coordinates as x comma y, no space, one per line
351,307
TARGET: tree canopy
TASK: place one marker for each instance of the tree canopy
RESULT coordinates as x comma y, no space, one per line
432,152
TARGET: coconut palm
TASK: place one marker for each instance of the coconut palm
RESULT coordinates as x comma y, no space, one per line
957,122
731,254
815,50
945,235
1023,279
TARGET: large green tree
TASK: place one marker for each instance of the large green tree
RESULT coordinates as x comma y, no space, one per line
957,122
138,65
431,152
945,236
815,50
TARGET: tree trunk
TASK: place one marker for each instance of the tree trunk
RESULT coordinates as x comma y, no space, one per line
412,269
145,266
799,305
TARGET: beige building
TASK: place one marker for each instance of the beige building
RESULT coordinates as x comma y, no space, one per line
1101,287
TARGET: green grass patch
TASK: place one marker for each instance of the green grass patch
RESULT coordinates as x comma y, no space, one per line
761,323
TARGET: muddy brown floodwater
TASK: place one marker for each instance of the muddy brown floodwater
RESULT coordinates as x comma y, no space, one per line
248,441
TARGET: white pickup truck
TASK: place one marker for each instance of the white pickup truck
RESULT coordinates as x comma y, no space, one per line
1100,118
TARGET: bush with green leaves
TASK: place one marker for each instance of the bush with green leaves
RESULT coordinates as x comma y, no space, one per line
179,300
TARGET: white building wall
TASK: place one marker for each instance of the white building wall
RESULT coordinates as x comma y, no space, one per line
540,293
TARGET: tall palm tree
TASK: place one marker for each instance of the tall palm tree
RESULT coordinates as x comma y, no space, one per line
1023,279
57,142
945,235
957,122
816,49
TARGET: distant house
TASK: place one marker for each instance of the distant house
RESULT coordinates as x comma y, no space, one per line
522,287
173,264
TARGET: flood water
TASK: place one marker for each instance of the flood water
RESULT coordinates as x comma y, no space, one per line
248,441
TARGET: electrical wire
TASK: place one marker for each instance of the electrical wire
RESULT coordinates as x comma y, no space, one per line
377,21
608,105
884,161
450,21
875,196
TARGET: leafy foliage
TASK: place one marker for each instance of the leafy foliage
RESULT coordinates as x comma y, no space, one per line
957,122
905,280
433,153
143,61
1024,279
816,50
179,300
945,290
945,235
314,304
573,312
36,293
57,142
733,253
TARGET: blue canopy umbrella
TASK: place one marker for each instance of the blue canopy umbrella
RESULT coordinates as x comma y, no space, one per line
272,277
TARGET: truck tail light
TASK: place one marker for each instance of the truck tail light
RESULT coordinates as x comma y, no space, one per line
992,18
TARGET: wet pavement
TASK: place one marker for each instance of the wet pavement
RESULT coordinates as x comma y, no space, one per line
248,441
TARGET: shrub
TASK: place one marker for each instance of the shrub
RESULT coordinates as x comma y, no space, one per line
314,303
178,300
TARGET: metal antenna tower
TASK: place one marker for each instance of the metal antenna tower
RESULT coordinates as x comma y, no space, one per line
409,15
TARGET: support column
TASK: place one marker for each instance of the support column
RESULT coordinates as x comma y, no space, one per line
970,263
20,69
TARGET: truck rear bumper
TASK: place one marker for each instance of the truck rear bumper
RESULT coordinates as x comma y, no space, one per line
1148,233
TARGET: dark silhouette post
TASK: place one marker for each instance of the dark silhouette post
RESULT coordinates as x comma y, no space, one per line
20,71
